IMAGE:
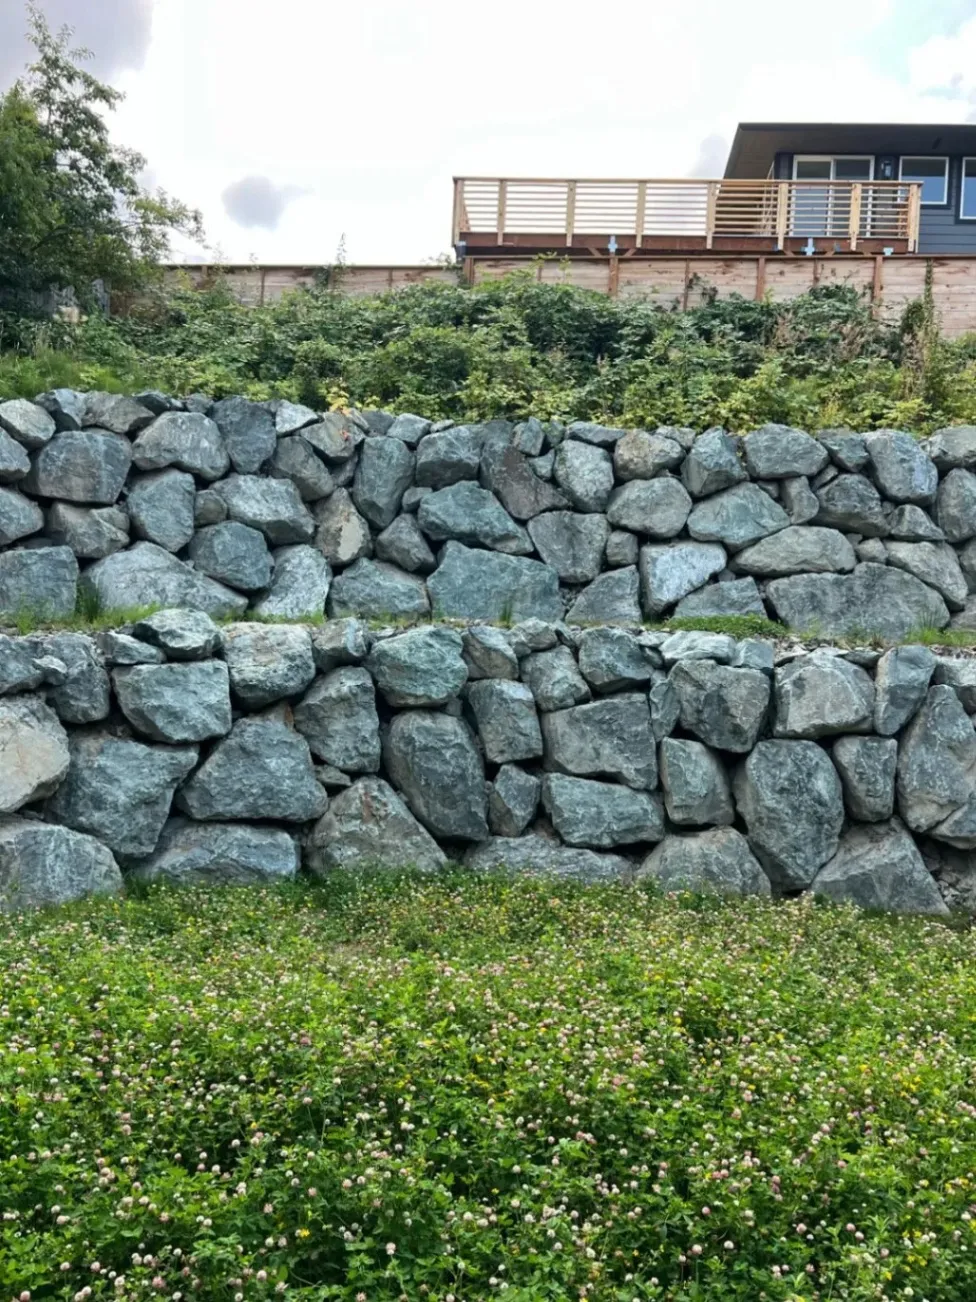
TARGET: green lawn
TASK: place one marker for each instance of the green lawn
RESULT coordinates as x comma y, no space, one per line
462,1088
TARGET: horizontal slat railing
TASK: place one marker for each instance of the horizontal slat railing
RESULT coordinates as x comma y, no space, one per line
570,210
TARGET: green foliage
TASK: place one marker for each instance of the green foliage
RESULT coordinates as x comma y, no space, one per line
397,1087
737,626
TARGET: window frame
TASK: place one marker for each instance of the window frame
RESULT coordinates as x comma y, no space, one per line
832,158
967,158
935,158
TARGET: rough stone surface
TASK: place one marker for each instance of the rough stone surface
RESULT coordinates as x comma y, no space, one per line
90,532
477,585
488,653
433,761
184,439
554,680
337,717
613,598
66,407
668,573
612,659
335,437
610,739
960,674
585,474
729,597
272,506
267,662
953,448
640,455
790,797
81,693
81,466
20,517
119,791
42,866
779,452
147,575
449,457
220,854
822,695
123,650
879,867
295,459
511,477
622,548
234,554
181,634
289,417
696,789
178,702
116,412
339,642
799,501
27,422
33,751
712,464
955,508
422,667
600,814
14,461
900,467
369,826
469,514
249,433
654,508
878,598
537,856
737,517
901,681
208,508
411,429
936,762
300,584
867,773
374,590
341,535
41,582
717,861
513,799
506,719
724,707
912,524
935,565
852,503
571,543
403,544
695,644
263,770
384,472
797,550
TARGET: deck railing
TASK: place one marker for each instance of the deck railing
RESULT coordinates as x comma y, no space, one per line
575,211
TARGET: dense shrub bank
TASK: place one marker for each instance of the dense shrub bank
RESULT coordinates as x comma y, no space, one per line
519,347
462,1088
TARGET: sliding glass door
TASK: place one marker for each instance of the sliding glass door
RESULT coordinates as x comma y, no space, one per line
821,212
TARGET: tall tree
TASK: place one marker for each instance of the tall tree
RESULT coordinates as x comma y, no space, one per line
72,206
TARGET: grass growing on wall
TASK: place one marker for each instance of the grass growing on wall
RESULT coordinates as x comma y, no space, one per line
517,347
457,1089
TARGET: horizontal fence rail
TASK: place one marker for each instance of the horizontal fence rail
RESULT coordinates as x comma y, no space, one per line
571,211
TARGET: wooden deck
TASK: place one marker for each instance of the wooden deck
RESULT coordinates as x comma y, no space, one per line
494,216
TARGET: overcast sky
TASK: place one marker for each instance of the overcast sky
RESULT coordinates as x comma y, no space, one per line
294,123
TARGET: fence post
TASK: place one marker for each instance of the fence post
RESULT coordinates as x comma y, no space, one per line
710,206
782,213
570,211
641,210
854,219
502,204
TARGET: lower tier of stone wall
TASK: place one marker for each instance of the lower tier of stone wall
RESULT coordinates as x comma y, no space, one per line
178,750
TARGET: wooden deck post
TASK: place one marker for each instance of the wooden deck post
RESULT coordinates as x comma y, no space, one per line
456,217
613,279
854,223
711,203
502,204
570,212
760,279
641,211
782,213
877,284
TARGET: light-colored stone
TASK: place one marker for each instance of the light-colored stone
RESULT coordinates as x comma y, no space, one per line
374,590
369,826
653,508
33,752
804,549
300,584
724,707
611,738
41,582
668,573
901,681
538,856
822,695
879,867
506,719
867,773
554,680
267,662
422,667
470,584
585,475
147,575
433,761
176,702
875,600
716,861
43,866
337,717
513,799
600,815
187,440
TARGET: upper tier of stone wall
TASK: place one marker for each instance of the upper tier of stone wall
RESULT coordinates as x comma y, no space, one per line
235,505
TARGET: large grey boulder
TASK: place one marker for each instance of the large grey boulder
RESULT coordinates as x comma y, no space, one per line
602,436
953,447
901,680
960,674
875,599
936,762
177,702
27,422
621,549
19,667
867,773
668,573
789,795
800,549
162,508
696,788
879,867
403,544
729,597
640,455
912,524
262,770
116,412
724,707
33,750
341,535
208,508
267,662
800,503
432,760
612,598
488,653
712,464
41,581
14,461
90,532
19,516
147,575
374,590
337,717
585,474
470,514
290,417
66,406
506,719
249,433
384,472
369,826
422,667
717,861
87,465
274,506
121,650
600,814
295,459
339,642
852,503
80,694
821,695
696,644
335,437
448,457
509,475
479,585
187,440
955,507
779,452
611,659
181,634
42,866
654,508
300,584
538,856
900,467
737,517
119,791
220,854
933,564
609,739
554,680
571,542
234,554
513,799
411,429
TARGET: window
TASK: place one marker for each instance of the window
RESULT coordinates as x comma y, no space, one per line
933,173
826,168
967,191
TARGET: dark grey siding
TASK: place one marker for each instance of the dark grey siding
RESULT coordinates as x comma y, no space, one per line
942,230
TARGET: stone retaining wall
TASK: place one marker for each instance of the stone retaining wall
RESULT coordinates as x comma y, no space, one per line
177,749
235,505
